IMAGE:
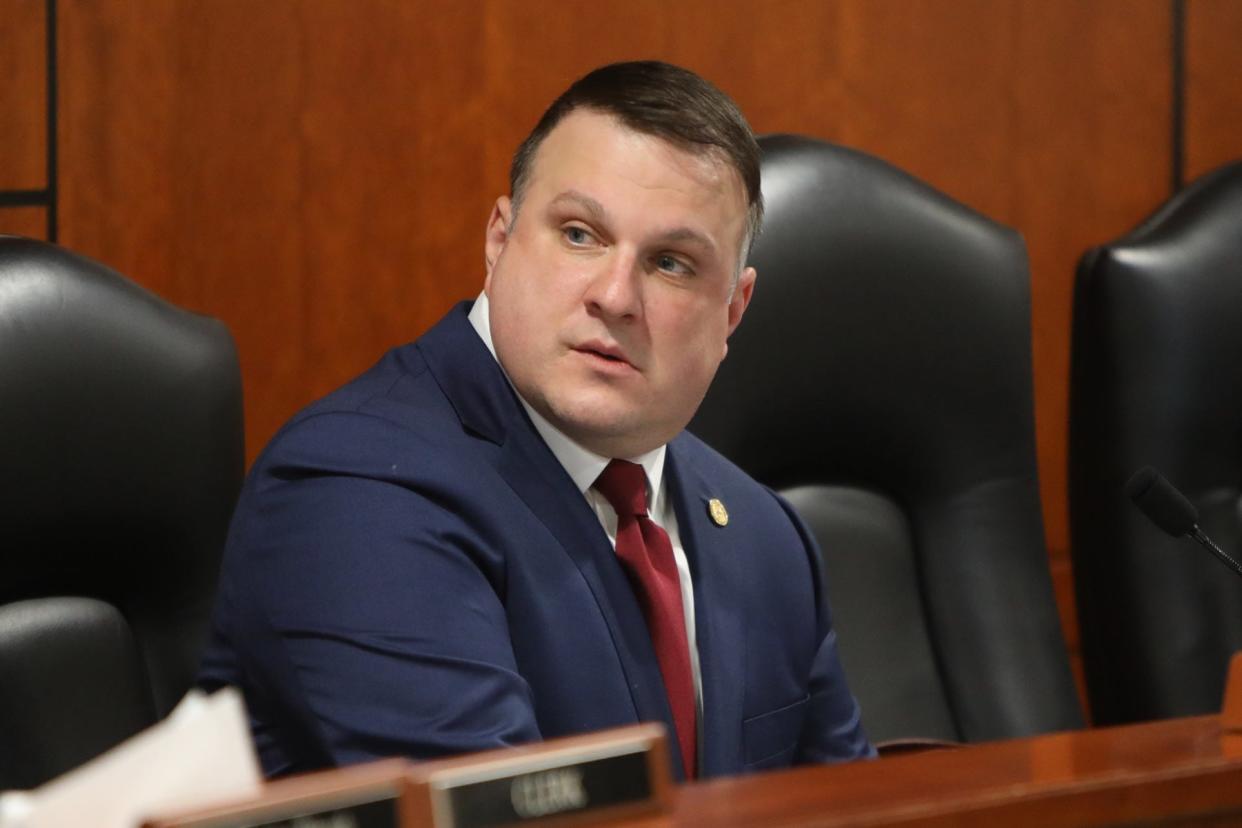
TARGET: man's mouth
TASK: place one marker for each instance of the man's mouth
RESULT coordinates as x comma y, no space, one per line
604,351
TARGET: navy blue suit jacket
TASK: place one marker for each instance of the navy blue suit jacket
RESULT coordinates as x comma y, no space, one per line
410,571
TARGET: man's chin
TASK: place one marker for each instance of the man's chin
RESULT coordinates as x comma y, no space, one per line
609,433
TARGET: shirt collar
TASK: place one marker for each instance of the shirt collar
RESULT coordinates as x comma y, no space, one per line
583,465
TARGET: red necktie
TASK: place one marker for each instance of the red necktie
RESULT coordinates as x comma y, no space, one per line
647,555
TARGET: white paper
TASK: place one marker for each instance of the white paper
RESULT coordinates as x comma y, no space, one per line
200,755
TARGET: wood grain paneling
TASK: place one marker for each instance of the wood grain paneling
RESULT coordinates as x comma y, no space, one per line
1213,95
1091,137
24,221
181,167
395,119
23,95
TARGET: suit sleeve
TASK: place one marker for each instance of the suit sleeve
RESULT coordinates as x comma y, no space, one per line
365,608
833,730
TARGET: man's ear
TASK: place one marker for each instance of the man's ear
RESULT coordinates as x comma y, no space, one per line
742,292
497,234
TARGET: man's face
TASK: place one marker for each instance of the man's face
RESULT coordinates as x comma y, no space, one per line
612,295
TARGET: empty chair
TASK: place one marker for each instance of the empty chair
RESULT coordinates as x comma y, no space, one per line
1157,380
882,382
120,459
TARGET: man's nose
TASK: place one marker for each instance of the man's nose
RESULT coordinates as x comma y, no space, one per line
616,288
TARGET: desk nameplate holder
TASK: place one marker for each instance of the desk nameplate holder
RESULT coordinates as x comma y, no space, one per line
594,779
610,775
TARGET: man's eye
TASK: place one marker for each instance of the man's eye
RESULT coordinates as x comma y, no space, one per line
576,235
671,264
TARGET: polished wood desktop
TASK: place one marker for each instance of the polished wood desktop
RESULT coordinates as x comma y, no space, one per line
1175,772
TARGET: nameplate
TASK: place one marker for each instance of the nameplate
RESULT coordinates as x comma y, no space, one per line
588,779
581,779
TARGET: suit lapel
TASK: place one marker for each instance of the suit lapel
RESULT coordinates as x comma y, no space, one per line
712,551
543,484
487,406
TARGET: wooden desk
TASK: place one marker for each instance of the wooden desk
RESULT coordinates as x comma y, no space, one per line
1176,772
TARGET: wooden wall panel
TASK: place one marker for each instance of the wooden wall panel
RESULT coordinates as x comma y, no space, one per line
23,95
181,167
117,119
395,193
1091,137
1213,132
24,221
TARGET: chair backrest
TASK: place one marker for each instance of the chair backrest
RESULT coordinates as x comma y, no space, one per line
1157,380
120,460
882,381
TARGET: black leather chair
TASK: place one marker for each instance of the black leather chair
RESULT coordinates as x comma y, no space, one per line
881,380
1157,380
120,459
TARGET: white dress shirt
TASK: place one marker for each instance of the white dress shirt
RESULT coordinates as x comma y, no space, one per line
585,466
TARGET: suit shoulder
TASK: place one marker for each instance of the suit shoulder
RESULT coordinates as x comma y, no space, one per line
395,378
714,466
394,403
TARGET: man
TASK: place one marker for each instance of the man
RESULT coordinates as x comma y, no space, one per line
448,554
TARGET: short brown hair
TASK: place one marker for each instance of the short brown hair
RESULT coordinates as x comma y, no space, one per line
665,101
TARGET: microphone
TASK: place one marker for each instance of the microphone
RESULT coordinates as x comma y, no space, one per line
1169,509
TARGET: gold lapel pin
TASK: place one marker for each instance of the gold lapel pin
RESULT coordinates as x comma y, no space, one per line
720,515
